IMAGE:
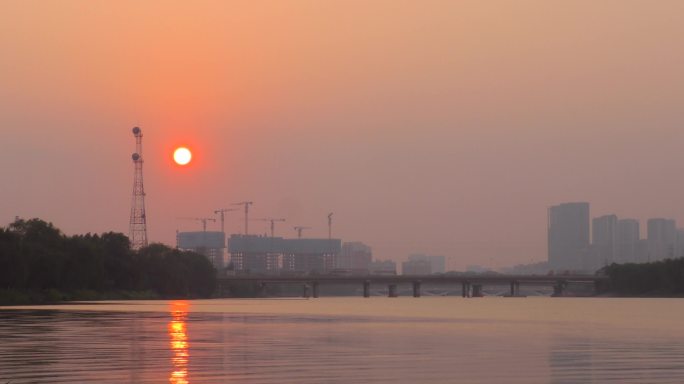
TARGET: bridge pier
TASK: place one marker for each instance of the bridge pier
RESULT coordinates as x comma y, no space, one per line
416,289
515,289
558,289
314,289
392,290
225,290
465,289
366,288
261,289
477,290
220,288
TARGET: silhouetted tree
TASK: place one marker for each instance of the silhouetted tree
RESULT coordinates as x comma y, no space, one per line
14,268
34,255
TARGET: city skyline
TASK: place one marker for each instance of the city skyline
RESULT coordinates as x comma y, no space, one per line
579,241
445,129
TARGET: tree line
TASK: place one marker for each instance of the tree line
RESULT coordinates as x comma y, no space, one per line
35,256
660,278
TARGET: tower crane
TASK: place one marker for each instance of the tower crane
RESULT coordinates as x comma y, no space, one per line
330,215
202,219
272,220
221,212
246,204
299,231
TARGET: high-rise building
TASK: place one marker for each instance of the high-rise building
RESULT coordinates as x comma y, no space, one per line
642,251
662,239
568,236
604,236
627,241
680,243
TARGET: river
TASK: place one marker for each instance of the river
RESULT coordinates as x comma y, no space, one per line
347,340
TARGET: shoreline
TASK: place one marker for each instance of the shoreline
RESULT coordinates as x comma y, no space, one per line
11,298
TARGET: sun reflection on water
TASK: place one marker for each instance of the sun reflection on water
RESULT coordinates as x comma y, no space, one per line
179,343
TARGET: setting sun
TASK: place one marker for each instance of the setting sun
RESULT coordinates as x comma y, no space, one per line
182,156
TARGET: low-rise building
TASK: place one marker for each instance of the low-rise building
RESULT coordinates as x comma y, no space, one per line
416,267
383,267
437,263
355,257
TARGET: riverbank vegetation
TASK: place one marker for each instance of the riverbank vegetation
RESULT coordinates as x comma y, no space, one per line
39,264
661,278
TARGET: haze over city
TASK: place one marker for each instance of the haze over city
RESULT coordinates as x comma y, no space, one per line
435,127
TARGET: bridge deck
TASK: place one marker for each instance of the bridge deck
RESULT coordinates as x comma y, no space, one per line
398,279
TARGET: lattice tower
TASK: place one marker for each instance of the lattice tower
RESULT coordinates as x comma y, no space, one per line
137,231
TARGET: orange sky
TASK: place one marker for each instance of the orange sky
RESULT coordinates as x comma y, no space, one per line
444,127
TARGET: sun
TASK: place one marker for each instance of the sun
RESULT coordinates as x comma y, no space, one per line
182,156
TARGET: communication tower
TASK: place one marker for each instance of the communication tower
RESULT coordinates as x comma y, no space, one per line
137,231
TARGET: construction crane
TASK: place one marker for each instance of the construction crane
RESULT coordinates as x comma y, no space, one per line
202,219
272,220
299,231
330,225
246,204
221,212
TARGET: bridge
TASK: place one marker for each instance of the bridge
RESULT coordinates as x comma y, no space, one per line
471,285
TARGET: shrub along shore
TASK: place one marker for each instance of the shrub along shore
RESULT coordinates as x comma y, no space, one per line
39,264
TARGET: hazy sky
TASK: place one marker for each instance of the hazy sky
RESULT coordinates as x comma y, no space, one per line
445,127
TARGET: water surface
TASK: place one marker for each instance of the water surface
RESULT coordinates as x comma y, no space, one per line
347,340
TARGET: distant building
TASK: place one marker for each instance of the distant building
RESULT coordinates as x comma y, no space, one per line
568,236
310,255
627,241
383,267
540,268
416,267
642,251
680,243
207,243
474,268
271,255
255,254
355,257
662,239
604,238
437,263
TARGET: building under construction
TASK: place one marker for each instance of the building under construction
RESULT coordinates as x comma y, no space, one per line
207,243
252,254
